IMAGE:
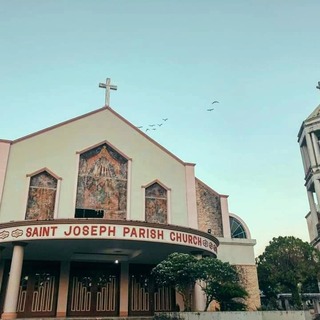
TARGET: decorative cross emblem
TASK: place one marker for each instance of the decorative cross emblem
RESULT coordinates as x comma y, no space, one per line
108,87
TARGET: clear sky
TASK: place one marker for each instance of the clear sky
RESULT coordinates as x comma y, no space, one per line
171,59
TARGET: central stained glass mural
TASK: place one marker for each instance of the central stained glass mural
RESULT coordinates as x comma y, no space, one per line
102,184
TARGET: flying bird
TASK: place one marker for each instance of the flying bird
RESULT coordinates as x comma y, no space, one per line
210,109
140,127
160,124
215,101
165,119
151,125
147,129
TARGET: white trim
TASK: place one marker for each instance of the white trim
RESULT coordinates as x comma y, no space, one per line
129,184
57,200
75,184
26,196
169,218
225,217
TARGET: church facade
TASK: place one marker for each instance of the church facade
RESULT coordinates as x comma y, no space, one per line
89,206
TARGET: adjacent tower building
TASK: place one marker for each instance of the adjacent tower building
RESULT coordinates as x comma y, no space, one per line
308,138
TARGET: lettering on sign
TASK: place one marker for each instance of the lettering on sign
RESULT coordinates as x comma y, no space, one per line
106,231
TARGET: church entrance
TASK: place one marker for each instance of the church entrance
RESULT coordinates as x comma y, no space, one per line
93,290
145,297
38,289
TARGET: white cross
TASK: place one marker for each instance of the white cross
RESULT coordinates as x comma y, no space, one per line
108,87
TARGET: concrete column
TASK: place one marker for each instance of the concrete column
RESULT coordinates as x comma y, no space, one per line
63,289
317,190
191,196
225,216
199,299
310,150
124,289
304,160
11,299
316,149
312,204
313,216
1,267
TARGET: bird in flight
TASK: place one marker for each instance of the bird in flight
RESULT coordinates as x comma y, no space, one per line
160,124
165,119
210,109
215,101
151,125
140,127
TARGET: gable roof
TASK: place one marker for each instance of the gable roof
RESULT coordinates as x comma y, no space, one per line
315,113
103,109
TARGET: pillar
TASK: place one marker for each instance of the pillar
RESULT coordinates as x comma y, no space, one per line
1,266
315,147
63,289
225,216
11,299
313,232
317,190
124,289
310,150
199,299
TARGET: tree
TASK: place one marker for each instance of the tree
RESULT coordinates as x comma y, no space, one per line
288,265
220,282
179,271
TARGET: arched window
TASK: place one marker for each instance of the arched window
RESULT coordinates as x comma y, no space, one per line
237,229
42,196
102,184
156,204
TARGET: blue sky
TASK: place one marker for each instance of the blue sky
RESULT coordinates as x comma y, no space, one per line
171,59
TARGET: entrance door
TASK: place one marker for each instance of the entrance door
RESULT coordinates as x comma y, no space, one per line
93,290
38,289
145,297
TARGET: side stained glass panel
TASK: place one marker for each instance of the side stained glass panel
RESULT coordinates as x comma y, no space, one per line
41,198
102,184
156,204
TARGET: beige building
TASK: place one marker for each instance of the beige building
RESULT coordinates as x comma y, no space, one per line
308,138
89,206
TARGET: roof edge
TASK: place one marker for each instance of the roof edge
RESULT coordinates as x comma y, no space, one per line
217,193
58,125
89,114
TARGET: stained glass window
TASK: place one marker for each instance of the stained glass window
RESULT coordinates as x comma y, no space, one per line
102,184
156,204
42,195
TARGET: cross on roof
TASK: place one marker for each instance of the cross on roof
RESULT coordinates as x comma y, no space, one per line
108,86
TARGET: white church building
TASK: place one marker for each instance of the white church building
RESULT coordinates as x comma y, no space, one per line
90,205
